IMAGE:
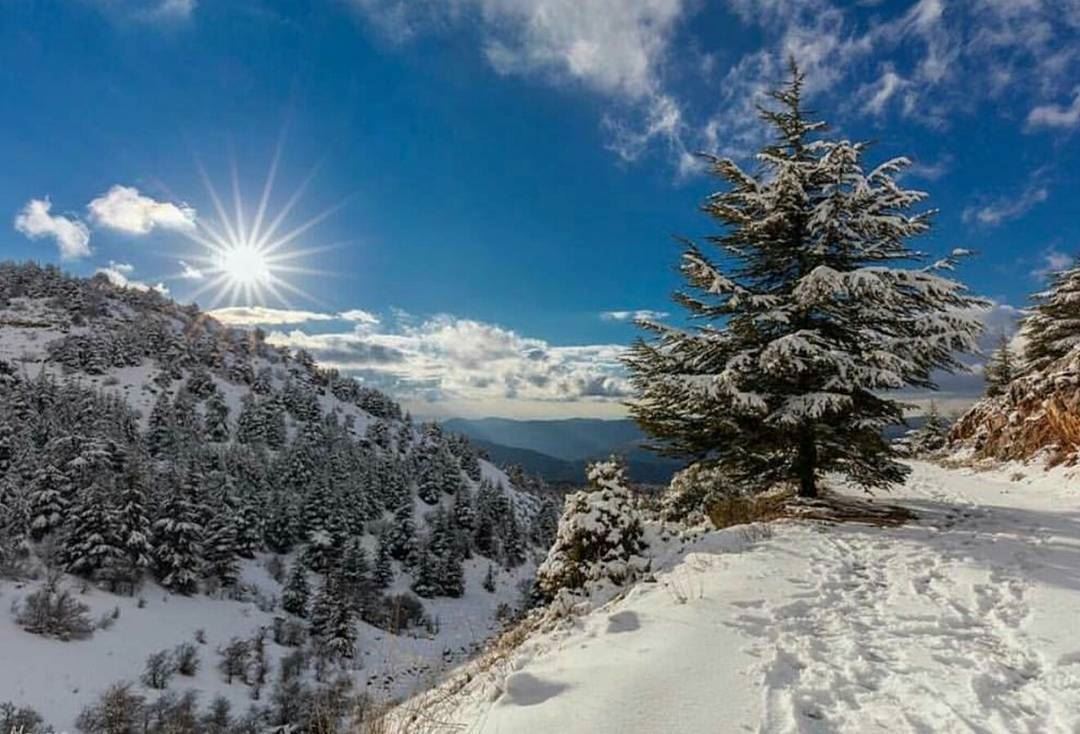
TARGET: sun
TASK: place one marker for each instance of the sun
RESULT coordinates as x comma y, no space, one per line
244,265
249,261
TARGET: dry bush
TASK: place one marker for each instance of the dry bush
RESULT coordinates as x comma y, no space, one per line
53,612
724,513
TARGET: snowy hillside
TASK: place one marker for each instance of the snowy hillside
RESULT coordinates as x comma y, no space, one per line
166,481
962,621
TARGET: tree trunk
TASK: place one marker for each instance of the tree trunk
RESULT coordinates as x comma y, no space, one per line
807,463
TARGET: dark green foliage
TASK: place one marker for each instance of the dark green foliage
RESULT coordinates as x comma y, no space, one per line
802,320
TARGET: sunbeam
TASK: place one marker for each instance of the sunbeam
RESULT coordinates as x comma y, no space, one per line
245,260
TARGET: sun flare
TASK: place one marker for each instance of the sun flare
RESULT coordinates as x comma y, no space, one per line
248,261
244,264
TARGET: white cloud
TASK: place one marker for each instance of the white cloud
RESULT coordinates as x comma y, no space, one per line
119,274
71,234
1003,209
360,316
612,46
616,48
446,358
1053,115
190,272
639,314
174,9
124,209
884,90
936,59
1052,261
255,315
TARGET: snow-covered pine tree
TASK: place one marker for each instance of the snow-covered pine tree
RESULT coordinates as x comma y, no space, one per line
1052,329
177,538
48,500
220,546
160,436
383,573
932,436
217,418
90,541
404,545
333,620
1001,368
807,320
295,594
600,535
355,571
427,572
133,522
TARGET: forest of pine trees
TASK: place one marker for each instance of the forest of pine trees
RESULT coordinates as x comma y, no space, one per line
198,487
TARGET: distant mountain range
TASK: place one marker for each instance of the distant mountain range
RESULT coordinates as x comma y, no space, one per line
559,450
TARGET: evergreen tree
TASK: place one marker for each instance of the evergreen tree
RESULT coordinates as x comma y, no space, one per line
427,583
90,540
489,580
217,418
383,574
177,539
600,535
250,424
806,321
294,597
160,437
1001,368
1052,329
356,575
333,621
49,497
402,538
133,524
220,548
451,573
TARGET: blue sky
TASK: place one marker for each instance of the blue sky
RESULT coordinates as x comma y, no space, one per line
504,179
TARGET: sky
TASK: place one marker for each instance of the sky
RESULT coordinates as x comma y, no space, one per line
470,201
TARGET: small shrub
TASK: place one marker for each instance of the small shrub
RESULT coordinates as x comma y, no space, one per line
107,620
174,714
54,612
24,720
289,632
234,660
217,718
187,659
118,711
276,568
159,670
397,613
292,665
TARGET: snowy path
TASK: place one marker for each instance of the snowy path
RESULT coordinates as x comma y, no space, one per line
967,621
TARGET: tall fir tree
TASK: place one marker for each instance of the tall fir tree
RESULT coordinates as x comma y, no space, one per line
1052,329
295,595
806,321
178,538
1001,368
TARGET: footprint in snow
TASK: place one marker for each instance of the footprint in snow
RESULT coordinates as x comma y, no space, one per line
525,689
623,622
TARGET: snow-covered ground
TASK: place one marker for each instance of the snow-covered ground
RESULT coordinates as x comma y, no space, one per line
59,679
965,621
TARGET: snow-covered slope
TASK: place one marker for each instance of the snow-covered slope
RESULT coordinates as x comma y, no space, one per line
964,621
112,398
